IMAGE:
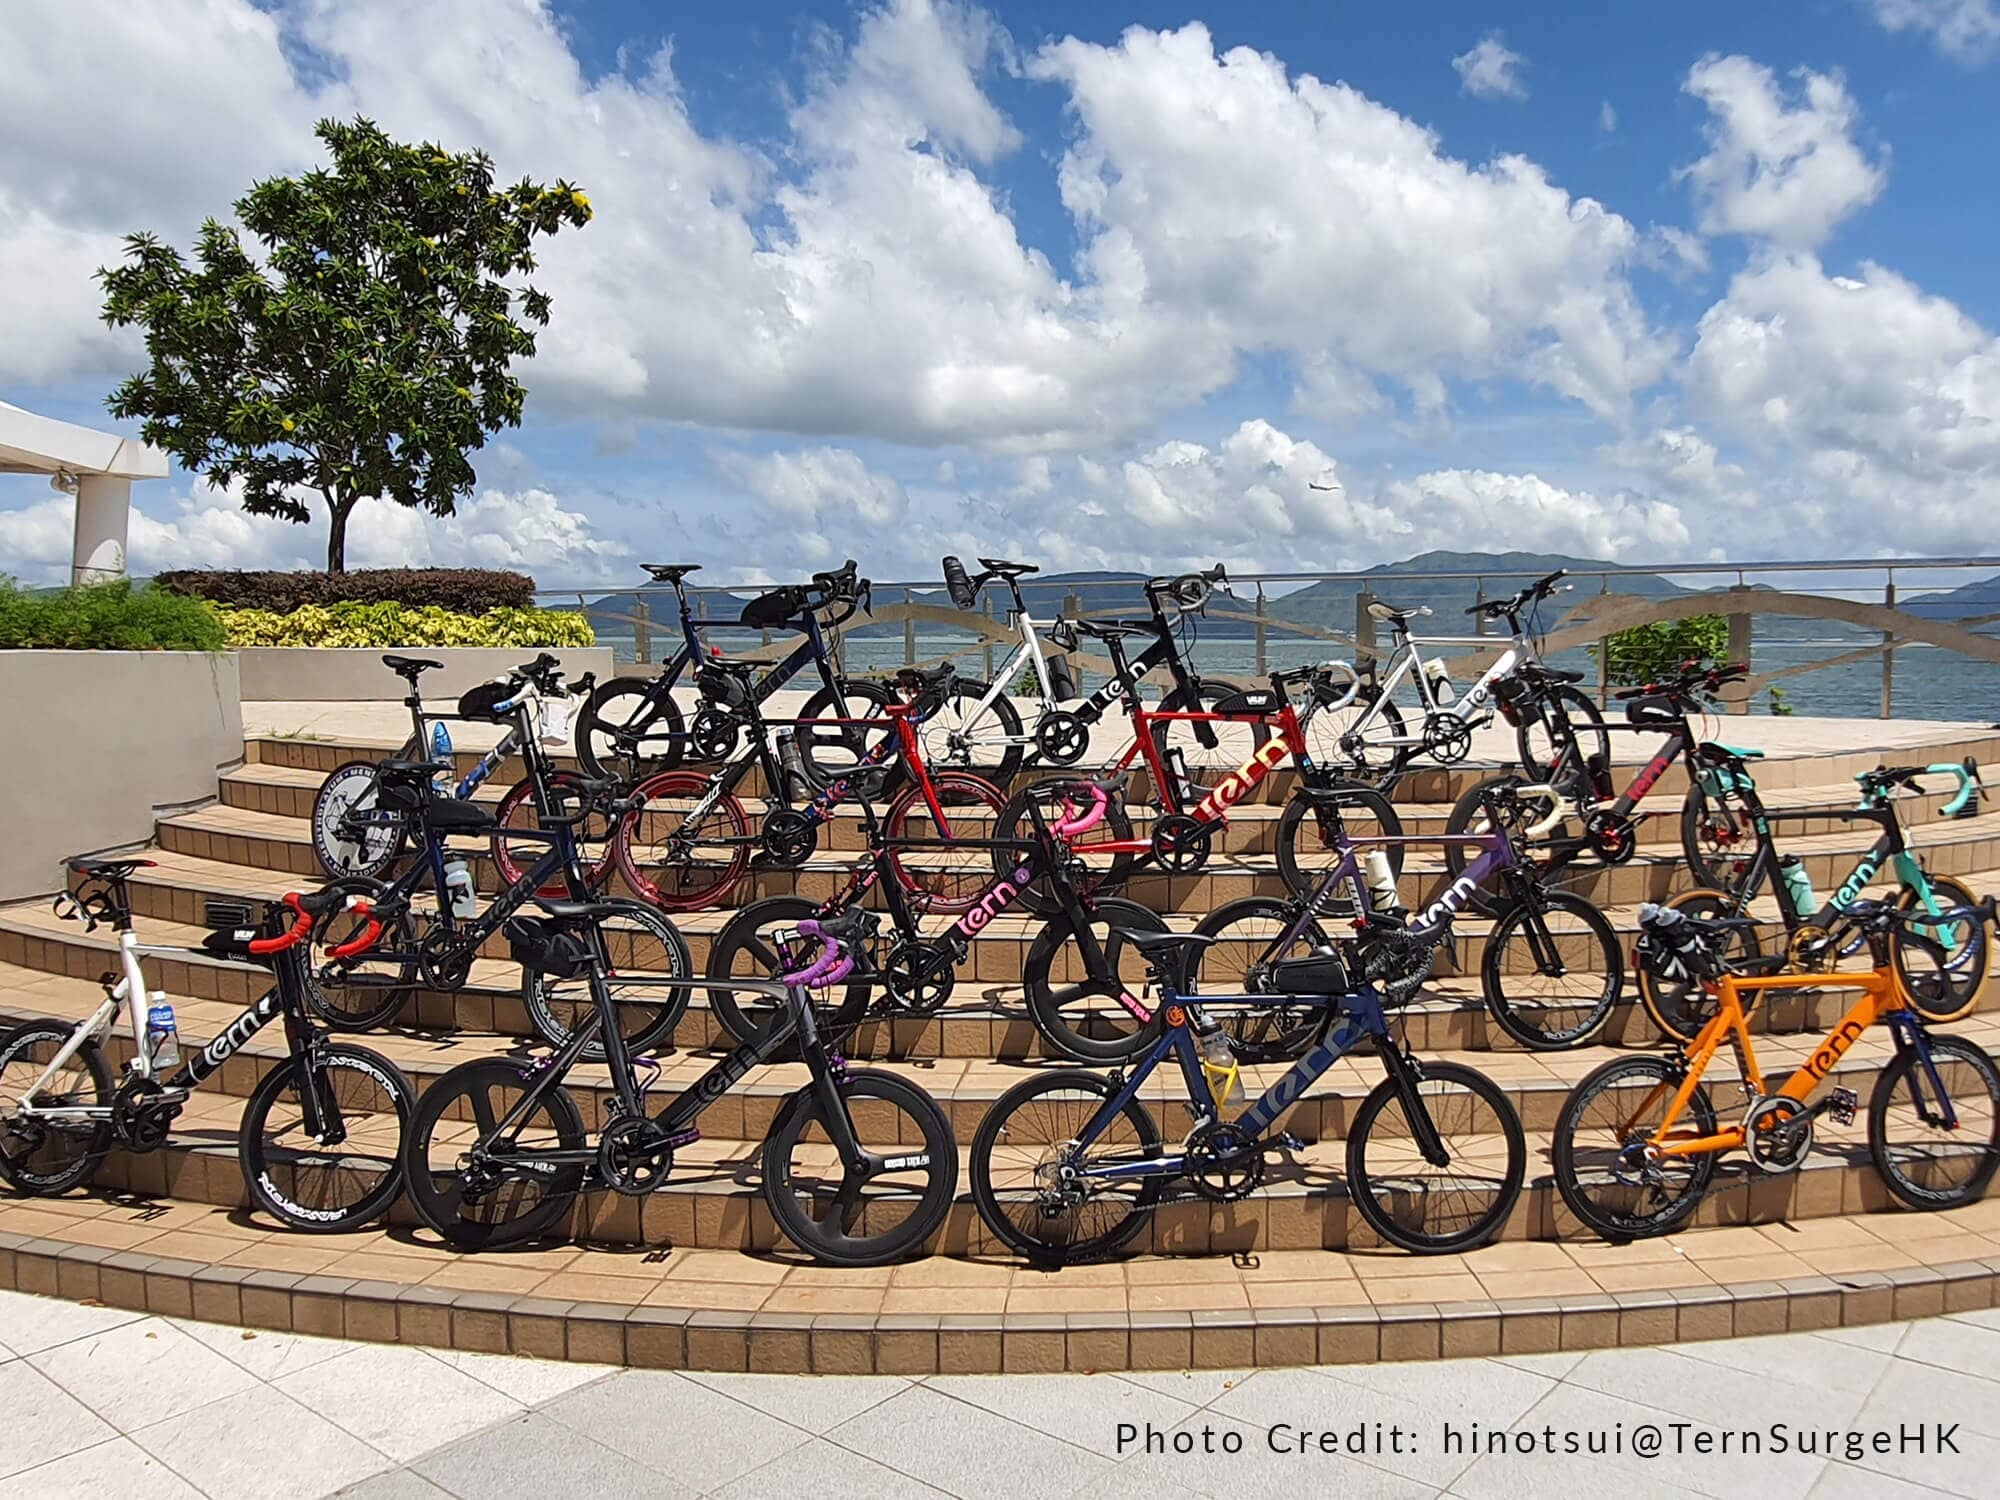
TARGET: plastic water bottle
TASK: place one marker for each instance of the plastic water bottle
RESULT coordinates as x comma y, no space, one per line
163,1040
1381,881
1218,1061
1793,871
459,887
1440,681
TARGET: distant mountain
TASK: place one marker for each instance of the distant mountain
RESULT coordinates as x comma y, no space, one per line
1331,604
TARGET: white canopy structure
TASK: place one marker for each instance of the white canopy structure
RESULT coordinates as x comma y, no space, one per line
97,467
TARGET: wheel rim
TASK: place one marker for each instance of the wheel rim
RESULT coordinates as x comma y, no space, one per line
642,952
38,1152
1622,1110
1461,1202
1933,1161
678,862
616,715
954,864
1023,1168
1558,1007
354,792
846,1216
1224,968
760,954
469,1113
1086,1010
322,1182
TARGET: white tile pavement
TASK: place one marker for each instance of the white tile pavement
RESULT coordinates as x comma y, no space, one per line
97,1402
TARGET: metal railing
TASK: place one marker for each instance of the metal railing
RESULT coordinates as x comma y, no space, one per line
1870,595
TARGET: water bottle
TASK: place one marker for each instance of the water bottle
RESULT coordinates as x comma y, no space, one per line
1798,884
1218,1061
1440,681
459,887
440,742
1381,881
163,1042
790,760
1177,763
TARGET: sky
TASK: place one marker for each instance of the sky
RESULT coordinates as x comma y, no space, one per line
1290,286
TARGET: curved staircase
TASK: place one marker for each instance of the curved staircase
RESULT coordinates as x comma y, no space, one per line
697,1276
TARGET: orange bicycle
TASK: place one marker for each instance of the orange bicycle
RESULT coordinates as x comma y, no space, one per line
1636,1142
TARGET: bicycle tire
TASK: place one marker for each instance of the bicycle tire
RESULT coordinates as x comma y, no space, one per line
1979,1147
1507,1010
1586,722
743,938
1301,879
1680,1008
1367,759
264,1158
1284,1029
437,1193
1957,995
1658,1079
654,723
1236,741
998,730
1391,1219
830,752
520,800
1038,895
374,993
554,1005
917,1116
988,1187
1046,1001
950,880
686,882
354,784
17,1149
1708,840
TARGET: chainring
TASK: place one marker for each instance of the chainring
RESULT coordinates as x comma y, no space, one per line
1181,843
1611,838
141,1114
635,1156
1777,1132
1224,1161
713,735
1061,737
1447,738
920,979
789,837
1810,950
446,964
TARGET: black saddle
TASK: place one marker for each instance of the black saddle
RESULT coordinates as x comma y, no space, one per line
1115,630
1001,568
1155,946
411,667
923,680
1553,674
94,867
410,772
670,572
579,911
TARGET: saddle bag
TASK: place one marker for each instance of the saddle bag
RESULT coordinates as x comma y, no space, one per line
547,947
720,685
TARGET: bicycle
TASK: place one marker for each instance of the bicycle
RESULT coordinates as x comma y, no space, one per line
1818,936
859,1167
693,844
632,728
1075,960
1068,1166
1636,1142
440,947
61,1111
1609,826
1376,741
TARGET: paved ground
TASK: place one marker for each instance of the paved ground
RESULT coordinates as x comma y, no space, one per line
99,1401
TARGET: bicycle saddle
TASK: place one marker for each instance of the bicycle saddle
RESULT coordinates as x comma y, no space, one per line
1159,945
926,679
670,572
1381,609
1550,674
95,867
411,667
578,911
409,772
1107,630
1001,568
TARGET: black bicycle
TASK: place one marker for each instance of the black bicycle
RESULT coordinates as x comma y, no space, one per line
859,1168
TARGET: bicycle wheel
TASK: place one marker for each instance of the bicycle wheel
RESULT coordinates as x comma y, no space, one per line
477,1208
644,947
1339,745
315,1183
1307,848
1036,1193
517,813
1250,938
1234,741
838,1217
366,992
1948,991
687,848
1413,1202
959,736
947,859
1099,871
1084,1016
1610,1181
631,728
1469,817
354,791
1681,1007
1923,1164
46,1157
762,942
1719,841
1552,976
1538,744
829,748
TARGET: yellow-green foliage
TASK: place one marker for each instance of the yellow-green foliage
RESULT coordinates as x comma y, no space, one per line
391,625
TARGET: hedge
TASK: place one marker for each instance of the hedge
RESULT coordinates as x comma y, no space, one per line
105,617
393,625
1654,653
466,590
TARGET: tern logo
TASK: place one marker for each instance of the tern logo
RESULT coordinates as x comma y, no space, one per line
1238,784
1832,1050
1450,903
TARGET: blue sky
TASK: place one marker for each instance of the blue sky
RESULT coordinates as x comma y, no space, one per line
1109,285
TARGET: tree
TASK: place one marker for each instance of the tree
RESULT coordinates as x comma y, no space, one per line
369,355
1654,653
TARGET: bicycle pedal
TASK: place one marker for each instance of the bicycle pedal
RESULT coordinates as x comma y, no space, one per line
1840,1106
1286,1141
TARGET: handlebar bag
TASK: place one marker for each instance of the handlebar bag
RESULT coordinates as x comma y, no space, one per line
958,584
774,608
547,947
1654,711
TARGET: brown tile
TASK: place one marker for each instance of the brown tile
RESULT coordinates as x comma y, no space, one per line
662,1339
843,1344
716,1341
969,1344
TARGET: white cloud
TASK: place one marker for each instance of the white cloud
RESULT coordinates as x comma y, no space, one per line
1491,70
1968,30
1786,170
1607,117
817,485
1478,510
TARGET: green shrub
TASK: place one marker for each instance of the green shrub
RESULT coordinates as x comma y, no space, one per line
396,625
468,590
106,617
1654,653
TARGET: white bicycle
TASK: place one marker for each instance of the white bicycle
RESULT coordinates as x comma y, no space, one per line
1370,732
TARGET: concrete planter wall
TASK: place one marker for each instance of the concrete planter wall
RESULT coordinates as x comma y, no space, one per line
317,674
93,742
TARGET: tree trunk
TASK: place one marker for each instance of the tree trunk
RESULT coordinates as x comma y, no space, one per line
340,506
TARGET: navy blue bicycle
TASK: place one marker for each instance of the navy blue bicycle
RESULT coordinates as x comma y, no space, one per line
1068,1166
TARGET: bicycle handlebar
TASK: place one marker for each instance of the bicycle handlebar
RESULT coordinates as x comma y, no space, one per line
1546,793
1188,590
311,908
837,937
1694,677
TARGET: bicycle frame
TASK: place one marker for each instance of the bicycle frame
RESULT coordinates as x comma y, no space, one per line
1889,848
1476,706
